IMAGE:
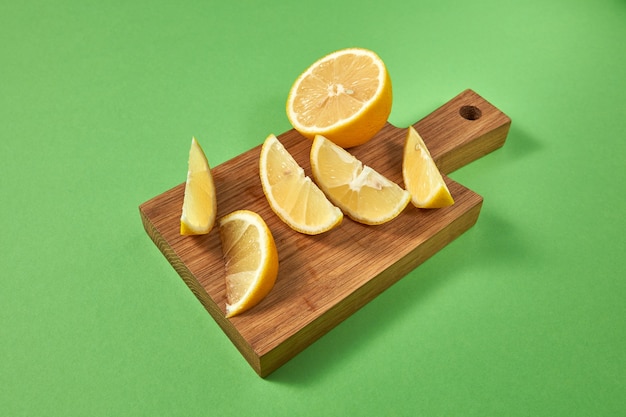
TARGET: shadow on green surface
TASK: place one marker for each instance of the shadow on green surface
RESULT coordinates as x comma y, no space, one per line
519,145
491,243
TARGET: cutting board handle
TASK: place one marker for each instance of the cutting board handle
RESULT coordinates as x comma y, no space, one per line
463,130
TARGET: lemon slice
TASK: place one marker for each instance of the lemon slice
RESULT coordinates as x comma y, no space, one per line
292,195
363,194
421,175
199,202
345,96
251,260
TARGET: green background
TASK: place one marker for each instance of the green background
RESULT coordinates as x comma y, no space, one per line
523,315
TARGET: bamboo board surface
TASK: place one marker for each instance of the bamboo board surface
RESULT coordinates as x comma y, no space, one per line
324,279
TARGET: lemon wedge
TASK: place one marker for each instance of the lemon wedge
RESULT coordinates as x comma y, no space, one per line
292,195
251,260
421,176
359,191
199,202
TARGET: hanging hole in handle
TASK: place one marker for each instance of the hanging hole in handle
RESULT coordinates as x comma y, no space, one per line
470,112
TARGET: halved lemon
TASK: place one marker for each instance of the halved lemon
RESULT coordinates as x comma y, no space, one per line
345,96
362,193
421,175
251,260
199,201
291,194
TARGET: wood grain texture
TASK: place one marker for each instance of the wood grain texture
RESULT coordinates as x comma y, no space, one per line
324,279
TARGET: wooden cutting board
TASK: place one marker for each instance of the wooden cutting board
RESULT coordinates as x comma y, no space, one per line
324,279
